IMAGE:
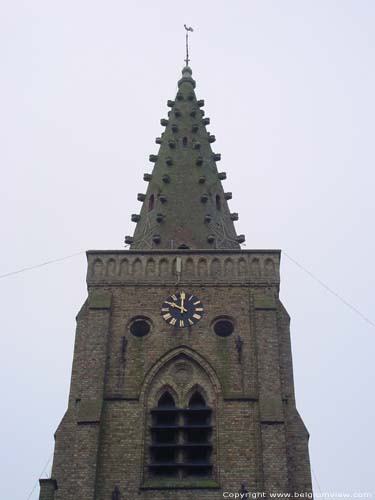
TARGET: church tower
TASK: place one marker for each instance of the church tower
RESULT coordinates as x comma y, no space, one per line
182,380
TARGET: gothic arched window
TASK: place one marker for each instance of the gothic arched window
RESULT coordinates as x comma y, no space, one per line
197,420
181,438
164,437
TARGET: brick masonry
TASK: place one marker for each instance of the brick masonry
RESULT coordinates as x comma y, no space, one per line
258,436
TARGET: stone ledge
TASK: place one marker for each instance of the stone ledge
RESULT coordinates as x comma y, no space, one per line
179,485
271,410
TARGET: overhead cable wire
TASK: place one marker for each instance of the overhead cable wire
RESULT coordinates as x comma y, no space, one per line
329,289
41,265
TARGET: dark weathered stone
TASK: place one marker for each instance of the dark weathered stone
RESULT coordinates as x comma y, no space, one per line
126,356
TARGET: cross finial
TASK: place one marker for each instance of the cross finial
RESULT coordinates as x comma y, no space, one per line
187,28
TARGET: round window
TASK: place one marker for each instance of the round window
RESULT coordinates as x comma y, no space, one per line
139,327
223,327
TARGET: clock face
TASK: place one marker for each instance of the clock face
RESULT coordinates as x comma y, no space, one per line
182,309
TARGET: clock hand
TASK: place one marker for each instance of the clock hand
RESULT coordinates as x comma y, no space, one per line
182,295
172,304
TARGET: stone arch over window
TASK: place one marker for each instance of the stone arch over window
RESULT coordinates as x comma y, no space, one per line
187,430
229,267
202,267
97,268
163,268
215,268
189,267
269,267
124,267
255,267
242,267
137,268
111,268
195,394
150,268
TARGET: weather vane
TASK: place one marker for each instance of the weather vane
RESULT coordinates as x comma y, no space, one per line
187,28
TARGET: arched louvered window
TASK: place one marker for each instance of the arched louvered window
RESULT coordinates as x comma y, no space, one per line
184,142
198,450
151,203
164,433
181,444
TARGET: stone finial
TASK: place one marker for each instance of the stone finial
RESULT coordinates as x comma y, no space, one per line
222,176
164,122
228,196
141,197
153,158
147,177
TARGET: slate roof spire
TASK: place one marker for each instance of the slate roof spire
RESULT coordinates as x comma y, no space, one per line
185,205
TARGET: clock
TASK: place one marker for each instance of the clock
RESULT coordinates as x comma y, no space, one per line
182,309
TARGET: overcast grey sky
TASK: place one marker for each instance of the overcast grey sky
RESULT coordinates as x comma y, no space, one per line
289,87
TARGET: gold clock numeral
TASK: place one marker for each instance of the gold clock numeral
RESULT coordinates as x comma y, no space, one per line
167,316
199,309
173,321
165,309
197,316
191,297
190,322
174,297
182,324
198,302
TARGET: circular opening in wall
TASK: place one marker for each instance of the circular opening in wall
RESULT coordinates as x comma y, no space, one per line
223,327
139,327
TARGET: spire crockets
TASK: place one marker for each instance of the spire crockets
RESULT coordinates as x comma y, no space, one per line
185,205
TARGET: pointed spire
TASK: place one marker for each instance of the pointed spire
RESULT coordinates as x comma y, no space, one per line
185,205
